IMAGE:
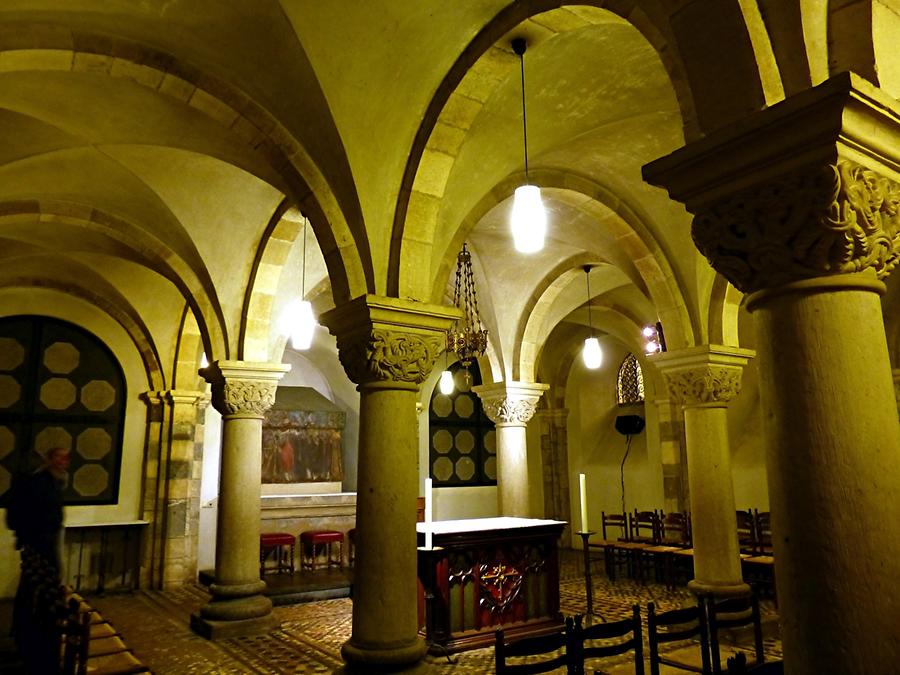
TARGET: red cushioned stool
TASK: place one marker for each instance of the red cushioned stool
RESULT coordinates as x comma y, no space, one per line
315,541
277,543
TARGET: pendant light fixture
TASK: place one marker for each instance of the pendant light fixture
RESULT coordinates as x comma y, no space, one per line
528,219
592,354
304,321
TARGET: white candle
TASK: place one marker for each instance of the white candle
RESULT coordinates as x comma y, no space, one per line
428,514
584,519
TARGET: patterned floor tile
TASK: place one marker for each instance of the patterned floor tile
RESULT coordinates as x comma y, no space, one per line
155,626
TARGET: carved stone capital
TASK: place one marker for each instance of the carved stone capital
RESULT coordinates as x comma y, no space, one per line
817,220
703,376
512,403
807,188
387,340
243,388
393,356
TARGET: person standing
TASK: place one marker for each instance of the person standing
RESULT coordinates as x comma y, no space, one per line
34,513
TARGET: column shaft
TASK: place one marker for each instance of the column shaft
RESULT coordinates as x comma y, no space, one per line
385,622
717,564
834,474
237,533
513,490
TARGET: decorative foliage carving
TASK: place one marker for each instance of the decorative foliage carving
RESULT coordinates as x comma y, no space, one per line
815,221
704,384
244,397
383,355
510,410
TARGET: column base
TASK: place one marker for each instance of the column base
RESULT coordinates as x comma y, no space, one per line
213,629
718,589
368,659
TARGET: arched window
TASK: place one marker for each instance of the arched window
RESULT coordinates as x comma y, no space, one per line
630,382
60,386
463,449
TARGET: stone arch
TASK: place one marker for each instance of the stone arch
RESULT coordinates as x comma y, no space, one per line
119,311
343,239
725,303
134,243
860,36
188,354
282,233
632,235
696,69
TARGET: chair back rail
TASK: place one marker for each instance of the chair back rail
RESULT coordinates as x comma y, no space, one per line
733,613
746,530
628,629
611,521
543,645
644,526
677,625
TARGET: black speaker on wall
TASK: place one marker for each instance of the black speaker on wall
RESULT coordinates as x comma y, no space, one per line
629,425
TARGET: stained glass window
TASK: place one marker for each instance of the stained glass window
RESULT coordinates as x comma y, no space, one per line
630,382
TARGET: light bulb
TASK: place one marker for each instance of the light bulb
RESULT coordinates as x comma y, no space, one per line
649,331
652,347
592,354
304,325
528,219
446,385
204,362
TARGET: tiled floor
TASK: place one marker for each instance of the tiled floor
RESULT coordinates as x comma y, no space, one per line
155,625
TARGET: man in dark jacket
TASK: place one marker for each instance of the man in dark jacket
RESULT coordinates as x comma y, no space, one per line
34,513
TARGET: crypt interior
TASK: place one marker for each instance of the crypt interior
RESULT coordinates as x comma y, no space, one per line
177,175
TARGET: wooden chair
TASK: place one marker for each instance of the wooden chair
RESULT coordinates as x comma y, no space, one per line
644,527
618,637
644,534
673,626
553,648
733,613
763,521
746,530
613,558
674,535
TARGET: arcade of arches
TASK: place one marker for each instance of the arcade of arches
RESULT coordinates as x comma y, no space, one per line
729,168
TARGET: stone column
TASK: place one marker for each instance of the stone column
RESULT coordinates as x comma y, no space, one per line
388,347
151,507
797,206
703,380
555,460
179,548
676,494
242,392
510,405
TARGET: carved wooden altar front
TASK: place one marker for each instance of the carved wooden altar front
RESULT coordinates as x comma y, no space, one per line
486,573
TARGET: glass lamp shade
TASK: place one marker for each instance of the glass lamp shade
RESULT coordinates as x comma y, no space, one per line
446,383
592,354
303,325
528,219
